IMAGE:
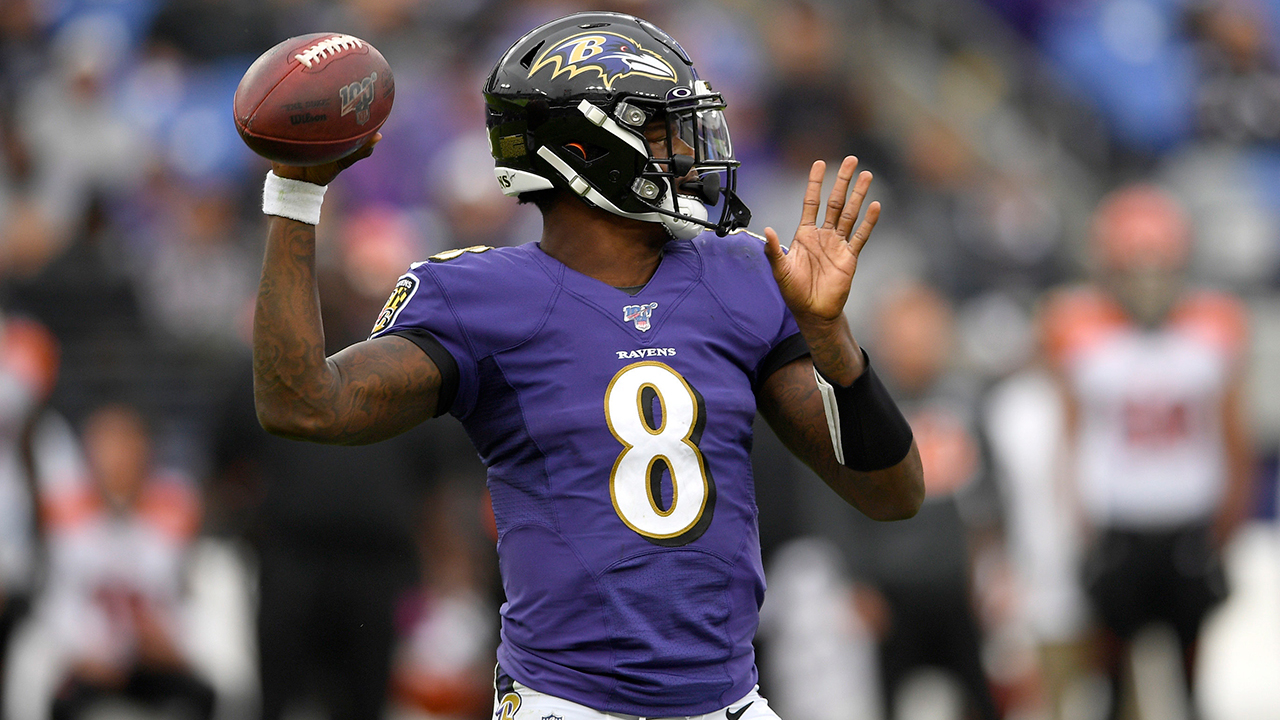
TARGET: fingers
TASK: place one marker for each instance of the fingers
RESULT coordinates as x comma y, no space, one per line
836,201
772,246
863,234
812,193
849,214
292,172
842,208
365,151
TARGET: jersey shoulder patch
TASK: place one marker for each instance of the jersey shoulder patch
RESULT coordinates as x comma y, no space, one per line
401,294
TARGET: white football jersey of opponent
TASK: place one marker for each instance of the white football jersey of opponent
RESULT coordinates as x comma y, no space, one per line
1150,444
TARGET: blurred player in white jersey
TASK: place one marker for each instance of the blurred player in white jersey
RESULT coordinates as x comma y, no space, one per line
115,600
1161,459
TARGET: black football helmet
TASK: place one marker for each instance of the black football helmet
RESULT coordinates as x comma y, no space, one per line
568,105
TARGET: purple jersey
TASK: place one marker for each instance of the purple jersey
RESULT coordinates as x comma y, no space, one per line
617,433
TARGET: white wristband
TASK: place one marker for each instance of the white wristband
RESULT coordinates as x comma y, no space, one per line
293,199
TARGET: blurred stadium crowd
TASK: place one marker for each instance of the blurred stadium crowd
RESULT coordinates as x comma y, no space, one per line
154,539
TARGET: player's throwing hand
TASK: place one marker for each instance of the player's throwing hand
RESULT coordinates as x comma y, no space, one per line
324,174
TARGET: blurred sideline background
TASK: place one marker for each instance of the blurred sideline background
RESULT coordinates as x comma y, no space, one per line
130,244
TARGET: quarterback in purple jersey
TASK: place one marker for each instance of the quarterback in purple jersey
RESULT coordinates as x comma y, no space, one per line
608,375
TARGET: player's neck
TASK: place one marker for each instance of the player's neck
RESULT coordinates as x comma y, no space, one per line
614,250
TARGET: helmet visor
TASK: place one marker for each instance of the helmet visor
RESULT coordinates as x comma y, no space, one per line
705,130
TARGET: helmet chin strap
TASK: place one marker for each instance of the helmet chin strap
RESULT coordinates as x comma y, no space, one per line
680,228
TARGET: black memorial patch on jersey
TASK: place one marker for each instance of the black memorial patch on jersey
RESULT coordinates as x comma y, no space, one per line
406,286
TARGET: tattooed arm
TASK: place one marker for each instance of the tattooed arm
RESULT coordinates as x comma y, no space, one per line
790,402
368,392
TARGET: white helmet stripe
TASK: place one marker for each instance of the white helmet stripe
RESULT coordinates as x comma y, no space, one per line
584,188
601,118
680,228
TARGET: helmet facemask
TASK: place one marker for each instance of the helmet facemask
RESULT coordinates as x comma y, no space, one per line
594,159
696,170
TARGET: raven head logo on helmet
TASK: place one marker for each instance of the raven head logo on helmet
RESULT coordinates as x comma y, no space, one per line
609,54
568,108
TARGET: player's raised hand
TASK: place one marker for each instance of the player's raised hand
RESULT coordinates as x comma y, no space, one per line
815,274
324,174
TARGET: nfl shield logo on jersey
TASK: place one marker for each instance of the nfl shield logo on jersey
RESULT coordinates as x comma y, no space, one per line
640,314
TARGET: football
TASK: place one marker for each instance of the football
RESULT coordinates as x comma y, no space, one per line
313,99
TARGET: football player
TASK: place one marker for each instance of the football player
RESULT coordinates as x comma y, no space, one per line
1153,378
608,375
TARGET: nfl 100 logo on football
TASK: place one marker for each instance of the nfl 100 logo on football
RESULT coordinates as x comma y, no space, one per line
357,97
640,314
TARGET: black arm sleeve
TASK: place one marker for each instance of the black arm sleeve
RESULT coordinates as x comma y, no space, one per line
444,362
789,349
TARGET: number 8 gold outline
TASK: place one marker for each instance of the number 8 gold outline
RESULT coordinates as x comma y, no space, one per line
702,520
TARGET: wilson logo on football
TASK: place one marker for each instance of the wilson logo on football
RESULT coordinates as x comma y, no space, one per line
328,48
609,55
357,97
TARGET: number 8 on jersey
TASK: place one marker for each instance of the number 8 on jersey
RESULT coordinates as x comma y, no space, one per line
651,445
